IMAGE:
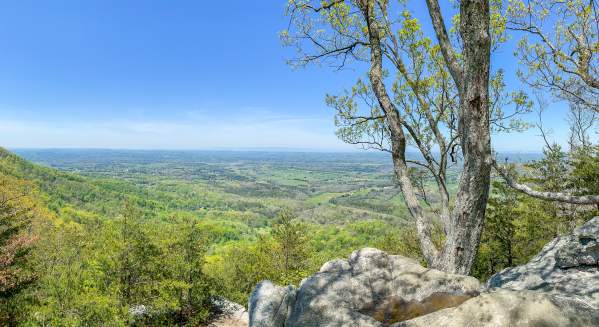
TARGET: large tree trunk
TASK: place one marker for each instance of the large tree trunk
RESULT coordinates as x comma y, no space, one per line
469,212
466,222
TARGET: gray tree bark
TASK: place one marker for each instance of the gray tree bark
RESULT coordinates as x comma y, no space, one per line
547,196
468,215
462,223
472,78
398,138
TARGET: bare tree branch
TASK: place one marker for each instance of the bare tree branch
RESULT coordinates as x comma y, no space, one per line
446,48
548,196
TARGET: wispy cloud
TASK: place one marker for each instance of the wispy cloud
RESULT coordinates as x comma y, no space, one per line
200,132
253,127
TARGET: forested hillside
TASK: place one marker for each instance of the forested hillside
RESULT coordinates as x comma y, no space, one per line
156,248
151,240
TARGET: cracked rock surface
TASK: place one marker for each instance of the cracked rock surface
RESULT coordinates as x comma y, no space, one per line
567,267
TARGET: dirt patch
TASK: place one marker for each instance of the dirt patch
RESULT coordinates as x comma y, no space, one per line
395,309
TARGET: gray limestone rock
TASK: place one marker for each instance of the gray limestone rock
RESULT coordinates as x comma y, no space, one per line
566,267
269,304
505,308
372,288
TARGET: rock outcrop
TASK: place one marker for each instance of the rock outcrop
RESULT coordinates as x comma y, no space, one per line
559,287
567,267
372,288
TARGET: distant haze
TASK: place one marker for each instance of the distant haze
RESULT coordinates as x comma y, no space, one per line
69,158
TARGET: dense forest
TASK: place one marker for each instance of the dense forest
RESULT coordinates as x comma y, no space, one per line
155,239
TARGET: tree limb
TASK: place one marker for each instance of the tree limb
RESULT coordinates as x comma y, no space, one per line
398,138
323,7
548,196
446,48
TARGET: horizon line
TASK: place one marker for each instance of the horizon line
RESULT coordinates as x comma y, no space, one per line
247,149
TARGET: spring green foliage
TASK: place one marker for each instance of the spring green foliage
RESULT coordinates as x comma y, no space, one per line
94,272
152,250
586,170
518,226
142,250
292,248
558,47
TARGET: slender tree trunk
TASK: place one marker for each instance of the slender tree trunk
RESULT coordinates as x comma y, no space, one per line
510,255
398,138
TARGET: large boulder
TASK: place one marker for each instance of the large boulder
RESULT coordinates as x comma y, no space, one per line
504,308
372,288
567,267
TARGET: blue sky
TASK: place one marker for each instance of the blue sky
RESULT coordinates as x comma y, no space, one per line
173,75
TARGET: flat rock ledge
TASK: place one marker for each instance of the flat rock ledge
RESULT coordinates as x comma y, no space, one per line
505,308
559,287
